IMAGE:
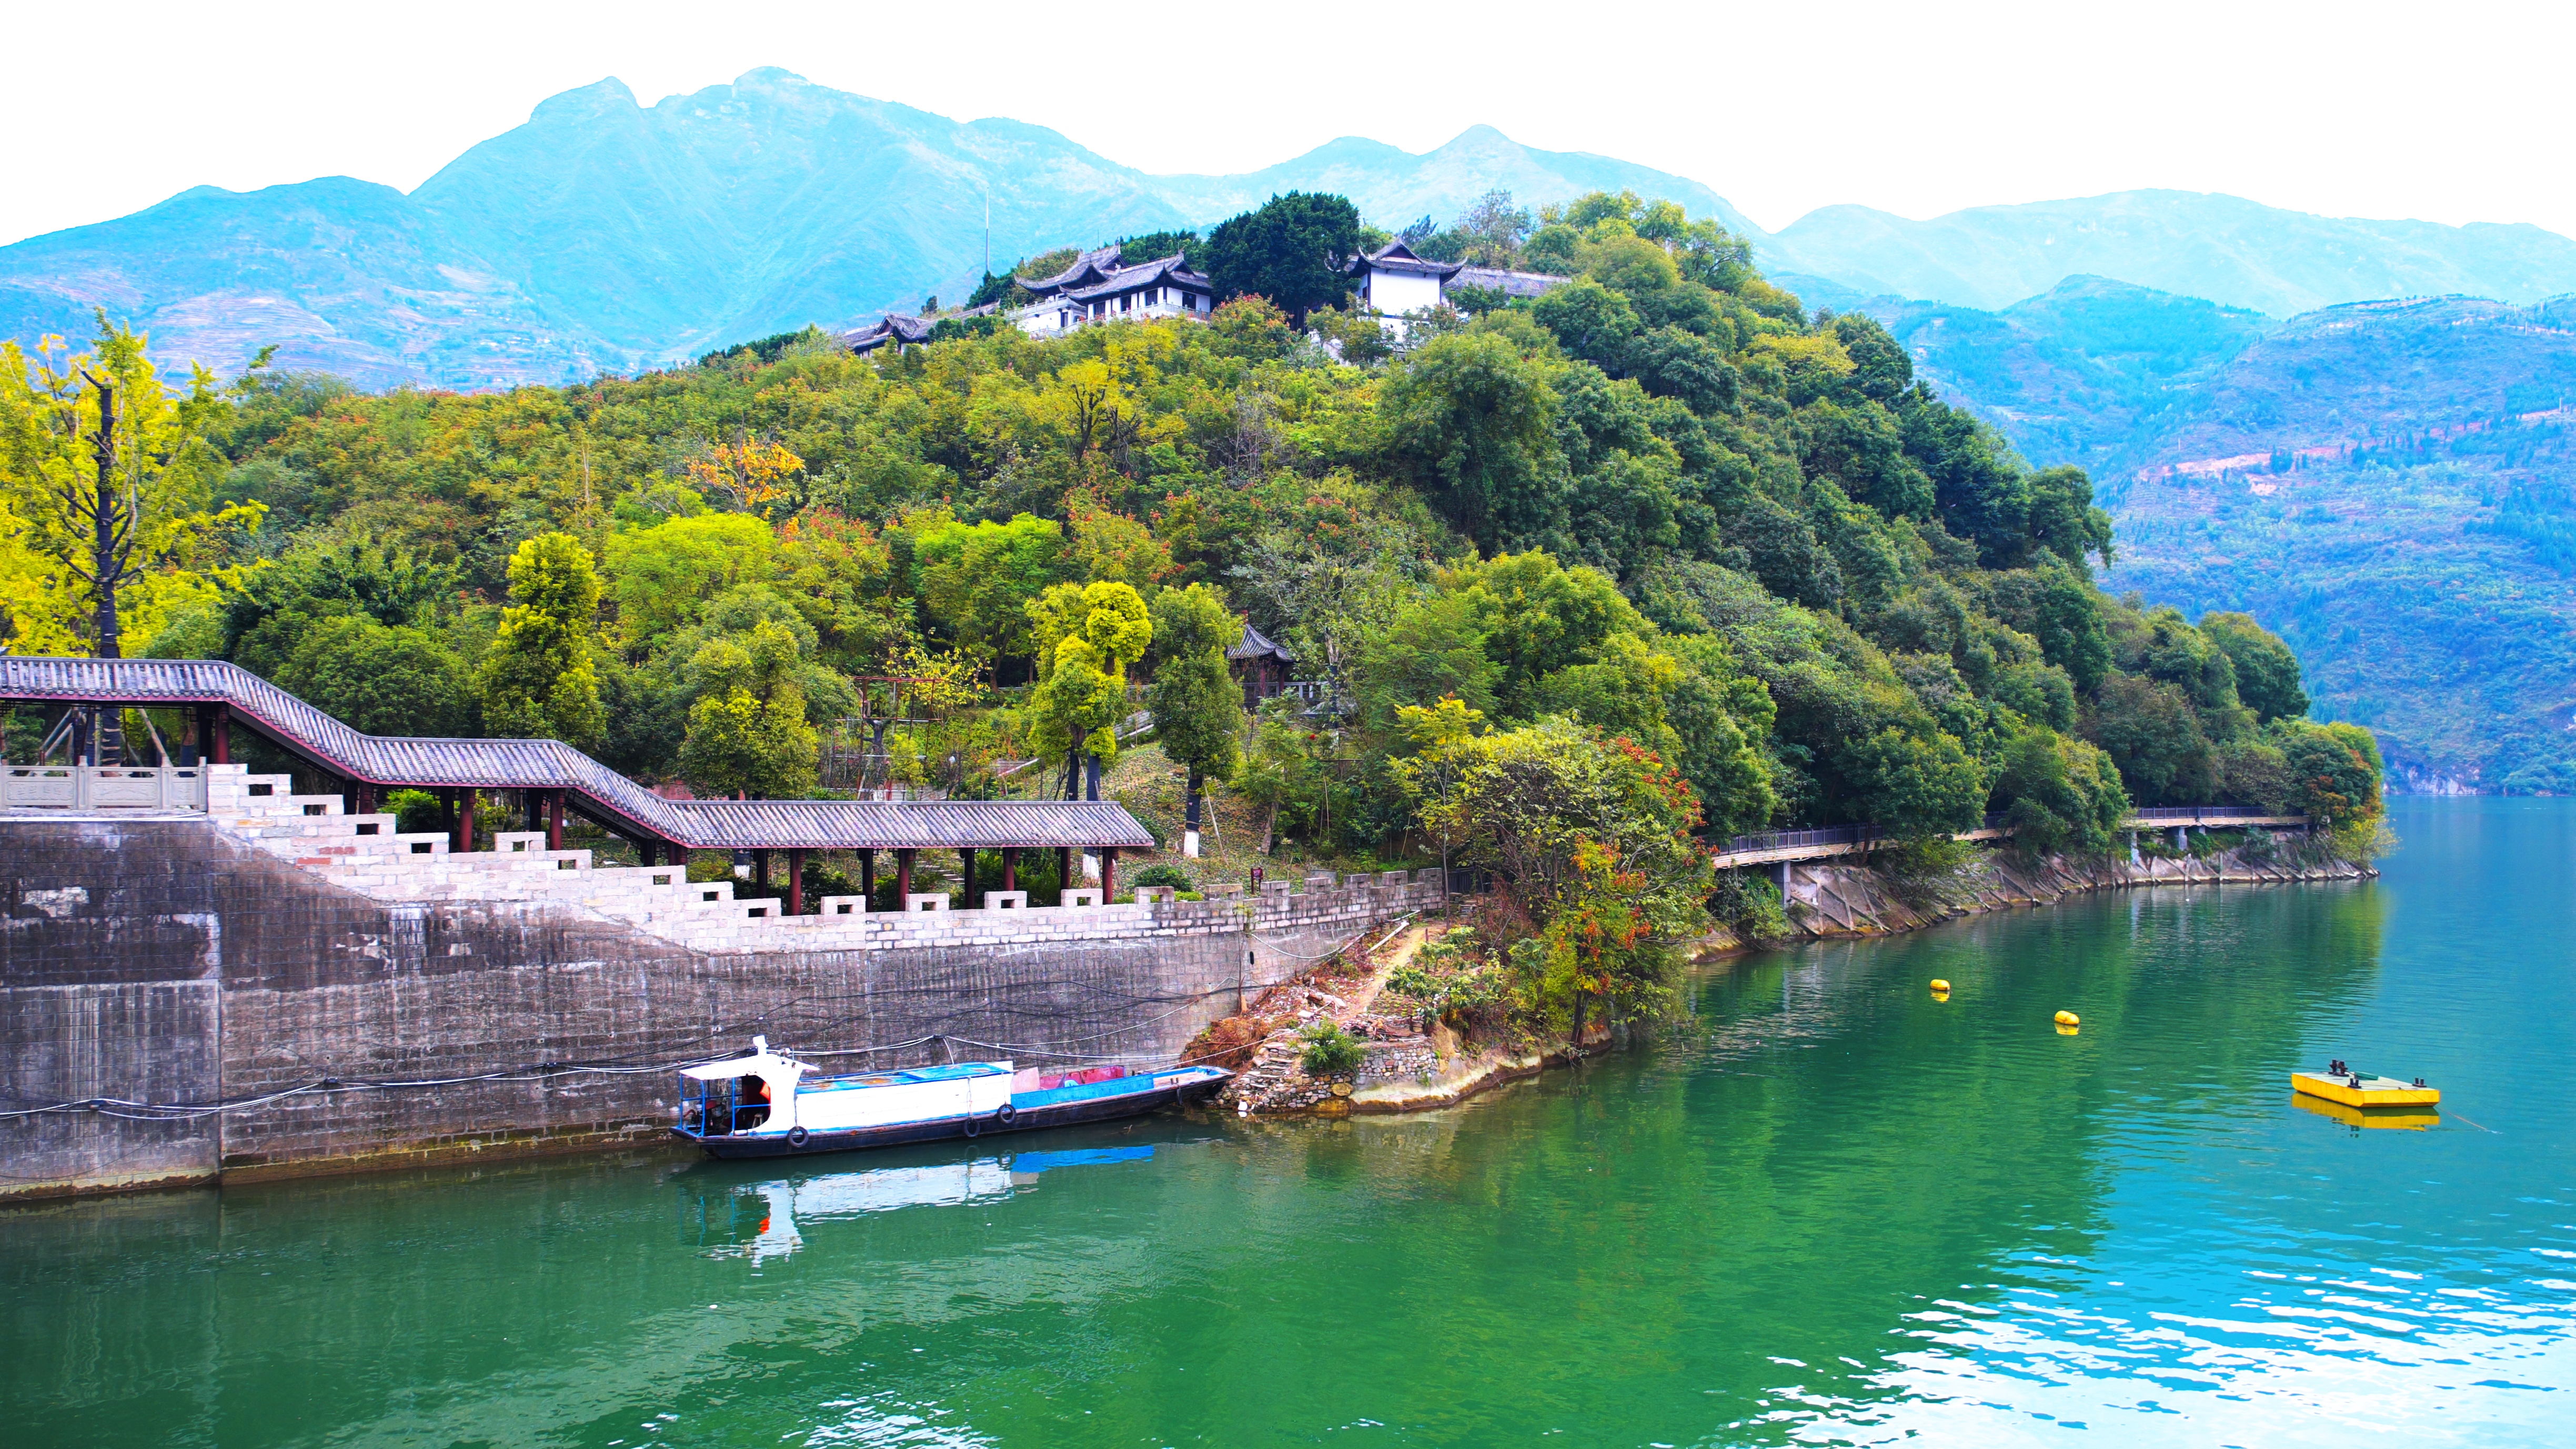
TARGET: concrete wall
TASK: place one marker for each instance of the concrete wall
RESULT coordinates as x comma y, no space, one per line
189,959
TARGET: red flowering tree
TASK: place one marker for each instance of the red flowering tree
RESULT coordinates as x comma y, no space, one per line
1590,837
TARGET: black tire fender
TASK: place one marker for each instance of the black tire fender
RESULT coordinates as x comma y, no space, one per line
1005,1114
973,1124
796,1135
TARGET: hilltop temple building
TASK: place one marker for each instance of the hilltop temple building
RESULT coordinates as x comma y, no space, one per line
1096,288
1389,282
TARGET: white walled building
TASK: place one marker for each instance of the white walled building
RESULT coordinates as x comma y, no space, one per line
1096,289
1393,281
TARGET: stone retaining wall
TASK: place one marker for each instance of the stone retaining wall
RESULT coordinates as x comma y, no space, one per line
194,959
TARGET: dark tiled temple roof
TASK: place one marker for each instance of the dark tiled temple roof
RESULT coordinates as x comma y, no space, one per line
894,327
1086,270
1398,258
590,787
1257,645
1149,274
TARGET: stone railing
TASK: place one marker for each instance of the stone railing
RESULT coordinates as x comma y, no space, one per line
369,854
102,787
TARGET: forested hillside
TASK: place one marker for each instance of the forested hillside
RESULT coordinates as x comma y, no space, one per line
2389,484
1661,512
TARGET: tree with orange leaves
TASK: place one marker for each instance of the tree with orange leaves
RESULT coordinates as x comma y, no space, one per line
754,474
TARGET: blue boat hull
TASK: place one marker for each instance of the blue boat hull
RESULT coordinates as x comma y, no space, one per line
941,1129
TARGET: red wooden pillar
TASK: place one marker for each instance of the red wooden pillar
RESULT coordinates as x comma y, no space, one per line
1010,867
464,842
364,802
868,874
795,882
1063,870
903,880
1108,874
554,820
218,730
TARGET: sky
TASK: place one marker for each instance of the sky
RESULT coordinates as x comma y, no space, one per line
2443,113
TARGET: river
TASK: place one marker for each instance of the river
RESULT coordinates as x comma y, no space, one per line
1826,1209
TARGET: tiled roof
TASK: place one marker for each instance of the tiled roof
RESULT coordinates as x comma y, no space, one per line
893,327
1088,268
593,788
1397,258
1256,645
1153,273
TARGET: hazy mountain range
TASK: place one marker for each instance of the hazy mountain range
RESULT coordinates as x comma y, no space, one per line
2389,484
606,235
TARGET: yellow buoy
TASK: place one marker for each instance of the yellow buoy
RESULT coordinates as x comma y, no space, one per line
1940,988
2068,1018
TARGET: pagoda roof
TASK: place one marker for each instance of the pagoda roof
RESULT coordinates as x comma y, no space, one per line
1087,269
1127,279
894,327
1257,645
1397,258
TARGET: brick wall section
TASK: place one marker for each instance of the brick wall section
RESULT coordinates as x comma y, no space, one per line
191,959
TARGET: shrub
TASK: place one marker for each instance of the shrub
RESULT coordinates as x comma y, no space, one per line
1163,875
1330,1051
1750,905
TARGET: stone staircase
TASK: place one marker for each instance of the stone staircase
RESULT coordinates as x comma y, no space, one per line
369,854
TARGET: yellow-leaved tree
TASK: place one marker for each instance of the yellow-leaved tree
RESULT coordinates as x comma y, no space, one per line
108,521
1086,636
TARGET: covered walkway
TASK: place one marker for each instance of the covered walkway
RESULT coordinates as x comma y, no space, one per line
557,778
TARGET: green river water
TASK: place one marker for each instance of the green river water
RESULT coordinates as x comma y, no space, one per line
1826,1209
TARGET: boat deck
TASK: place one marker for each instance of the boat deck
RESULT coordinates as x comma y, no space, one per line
2373,1091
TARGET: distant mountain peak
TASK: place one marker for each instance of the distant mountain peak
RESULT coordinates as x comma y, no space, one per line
573,106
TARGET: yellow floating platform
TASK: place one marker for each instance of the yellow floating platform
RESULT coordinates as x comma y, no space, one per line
2372,1091
2415,1119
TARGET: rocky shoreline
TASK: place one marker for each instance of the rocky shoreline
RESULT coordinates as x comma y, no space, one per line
1830,900
1406,1069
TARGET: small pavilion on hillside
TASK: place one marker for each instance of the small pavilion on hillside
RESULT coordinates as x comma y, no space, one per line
1259,664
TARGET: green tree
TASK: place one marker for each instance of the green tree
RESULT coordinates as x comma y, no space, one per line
538,679
1538,617
976,581
1086,636
1290,250
1468,418
106,496
2337,770
379,680
2267,673
2154,737
748,734
1198,707
2060,795
661,575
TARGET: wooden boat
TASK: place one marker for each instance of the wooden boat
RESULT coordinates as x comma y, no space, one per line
2350,1088
769,1104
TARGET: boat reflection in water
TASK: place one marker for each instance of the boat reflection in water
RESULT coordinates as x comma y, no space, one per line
2416,1118
759,1220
